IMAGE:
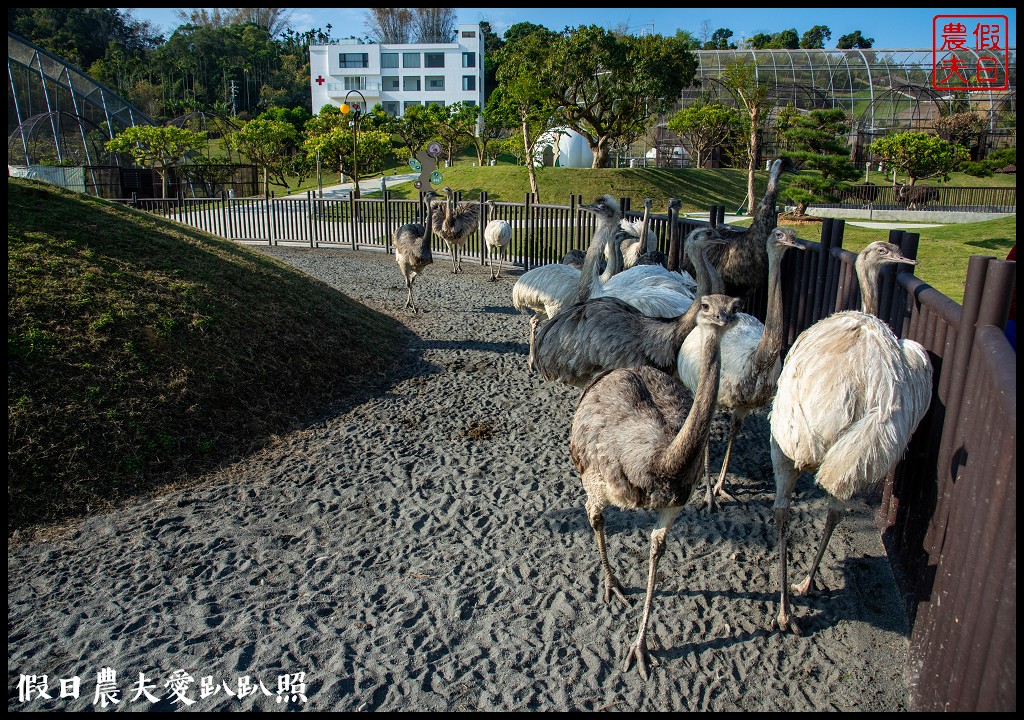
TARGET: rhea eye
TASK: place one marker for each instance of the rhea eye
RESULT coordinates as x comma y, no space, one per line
704,306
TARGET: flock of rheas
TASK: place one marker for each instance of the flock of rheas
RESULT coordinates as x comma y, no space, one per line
656,352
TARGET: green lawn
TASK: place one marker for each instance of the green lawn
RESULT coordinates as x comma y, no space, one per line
943,252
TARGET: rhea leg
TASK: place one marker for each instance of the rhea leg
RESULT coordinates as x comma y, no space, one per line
835,514
638,650
534,324
409,277
719,490
785,481
595,514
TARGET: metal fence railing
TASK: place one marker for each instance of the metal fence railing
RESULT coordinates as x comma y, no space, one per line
926,197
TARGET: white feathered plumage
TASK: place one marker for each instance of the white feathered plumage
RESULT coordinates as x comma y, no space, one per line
750,356
850,396
497,236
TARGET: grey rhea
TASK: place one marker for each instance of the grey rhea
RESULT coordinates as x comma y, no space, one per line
458,221
849,398
637,441
742,261
606,332
412,247
750,357
545,291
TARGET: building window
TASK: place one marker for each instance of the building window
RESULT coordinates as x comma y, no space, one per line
469,33
408,104
388,60
434,82
469,82
438,103
390,82
411,83
355,83
469,59
410,60
433,60
391,108
353,60
469,103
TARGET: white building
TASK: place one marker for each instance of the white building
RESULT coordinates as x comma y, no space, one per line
399,76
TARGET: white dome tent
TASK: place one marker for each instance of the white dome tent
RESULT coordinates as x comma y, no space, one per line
570,149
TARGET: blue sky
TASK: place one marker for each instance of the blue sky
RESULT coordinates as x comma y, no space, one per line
891,28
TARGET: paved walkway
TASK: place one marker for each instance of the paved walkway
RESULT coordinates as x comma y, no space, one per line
859,223
372,185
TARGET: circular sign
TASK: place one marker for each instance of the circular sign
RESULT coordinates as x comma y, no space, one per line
417,184
415,164
434,149
435,177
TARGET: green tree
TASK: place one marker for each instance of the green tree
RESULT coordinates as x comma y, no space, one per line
489,132
785,40
522,103
267,144
330,134
297,117
817,143
756,99
964,129
706,126
759,41
815,37
919,155
610,88
83,36
854,40
456,128
492,48
416,126
720,40
157,147
688,40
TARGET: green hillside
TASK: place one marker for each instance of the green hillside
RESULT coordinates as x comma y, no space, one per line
141,352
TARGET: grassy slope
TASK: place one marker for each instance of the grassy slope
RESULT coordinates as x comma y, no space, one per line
943,252
141,351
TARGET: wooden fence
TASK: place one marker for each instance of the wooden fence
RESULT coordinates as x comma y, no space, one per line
946,514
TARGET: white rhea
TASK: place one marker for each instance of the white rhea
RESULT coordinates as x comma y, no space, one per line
497,236
750,357
606,332
849,398
636,239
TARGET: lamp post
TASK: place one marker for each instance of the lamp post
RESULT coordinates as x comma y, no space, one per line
357,113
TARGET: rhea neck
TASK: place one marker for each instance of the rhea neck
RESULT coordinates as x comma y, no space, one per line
696,429
771,339
604,236
709,282
867,276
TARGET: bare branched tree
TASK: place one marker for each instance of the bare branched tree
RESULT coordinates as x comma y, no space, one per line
390,25
203,17
435,25
273,20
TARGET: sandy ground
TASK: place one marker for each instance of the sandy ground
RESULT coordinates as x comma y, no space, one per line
427,549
